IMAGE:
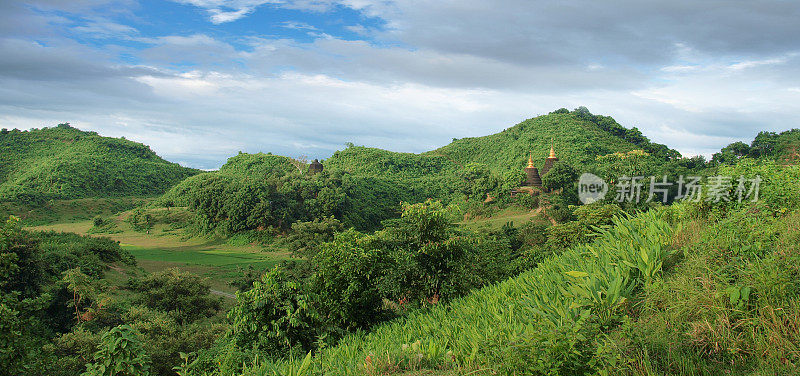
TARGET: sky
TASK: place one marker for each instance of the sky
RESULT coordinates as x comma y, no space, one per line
200,80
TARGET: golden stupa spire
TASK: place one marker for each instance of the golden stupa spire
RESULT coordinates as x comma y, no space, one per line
530,160
552,150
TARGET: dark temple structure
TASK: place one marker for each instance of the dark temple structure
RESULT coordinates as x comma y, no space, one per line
315,167
532,177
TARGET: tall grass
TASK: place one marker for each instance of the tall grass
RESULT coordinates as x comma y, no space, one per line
540,321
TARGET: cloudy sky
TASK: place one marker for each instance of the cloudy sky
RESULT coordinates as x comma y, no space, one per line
199,80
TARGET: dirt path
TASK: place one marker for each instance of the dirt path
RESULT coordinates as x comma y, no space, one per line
224,294
538,211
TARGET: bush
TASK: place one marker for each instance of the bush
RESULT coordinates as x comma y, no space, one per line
274,316
185,296
596,214
120,353
306,237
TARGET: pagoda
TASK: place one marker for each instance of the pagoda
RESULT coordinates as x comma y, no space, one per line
315,167
532,177
550,161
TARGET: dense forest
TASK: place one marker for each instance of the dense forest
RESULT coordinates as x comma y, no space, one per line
362,186
66,163
389,273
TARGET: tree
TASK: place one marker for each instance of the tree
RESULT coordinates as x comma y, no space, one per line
306,237
120,353
432,260
764,144
274,316
582,112
20,268
478,180
184,295
561,176
345,284
141,220
84,289
732,153
300,163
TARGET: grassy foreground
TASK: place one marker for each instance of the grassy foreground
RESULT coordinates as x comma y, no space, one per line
520,323
682,290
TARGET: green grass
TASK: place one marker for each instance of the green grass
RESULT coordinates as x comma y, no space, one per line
166,246
219,258
68,211
218,265
516,215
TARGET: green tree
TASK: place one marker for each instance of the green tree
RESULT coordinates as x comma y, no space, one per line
274,316
478,180
345,284
84,292
20,264
120,353
306,237
185,296
561,176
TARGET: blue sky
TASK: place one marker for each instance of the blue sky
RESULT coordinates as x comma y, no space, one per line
200,80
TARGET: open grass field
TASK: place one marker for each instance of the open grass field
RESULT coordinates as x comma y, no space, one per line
61,211
219,265
165,246
516,215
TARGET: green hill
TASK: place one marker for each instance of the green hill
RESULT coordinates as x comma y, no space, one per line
363,186
577,136
67,163
687,289
783,147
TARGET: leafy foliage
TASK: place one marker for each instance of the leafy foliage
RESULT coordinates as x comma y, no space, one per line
64,162
120,353
361,187
183,295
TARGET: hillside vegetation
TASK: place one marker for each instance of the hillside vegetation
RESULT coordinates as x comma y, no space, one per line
577,136
363,186
66,163
783,147
397,263
689,289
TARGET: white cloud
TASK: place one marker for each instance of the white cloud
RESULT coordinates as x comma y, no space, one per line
222,11
219,16
296,25
102,28
435,71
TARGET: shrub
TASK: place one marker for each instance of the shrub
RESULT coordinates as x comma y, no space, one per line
183,295
306,237
274,316
120,353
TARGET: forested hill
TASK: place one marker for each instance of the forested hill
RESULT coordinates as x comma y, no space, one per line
66,163
577,136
